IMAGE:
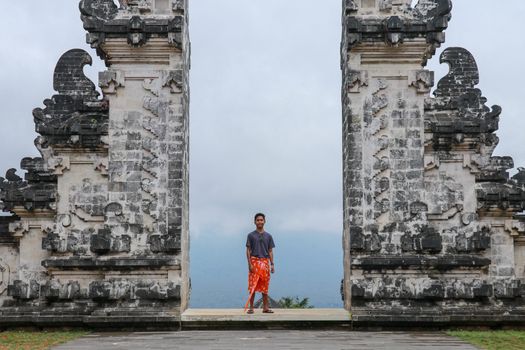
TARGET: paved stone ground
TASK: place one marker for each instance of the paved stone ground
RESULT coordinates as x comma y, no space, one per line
269,339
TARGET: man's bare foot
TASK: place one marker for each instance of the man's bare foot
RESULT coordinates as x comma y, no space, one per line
268,311
250,311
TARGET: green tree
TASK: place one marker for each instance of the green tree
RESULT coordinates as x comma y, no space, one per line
295,303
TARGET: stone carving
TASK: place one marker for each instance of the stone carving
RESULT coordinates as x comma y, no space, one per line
170,244
104,242
384,5
422,80
427,289
74,117
18,229
36,192
5,276
24,290
179,6
173,80
136,31
56,291
110,81
428,19
133,290
88,201
429,240
519,178
6,237
472,123
102,22
463,73
99,10
356,80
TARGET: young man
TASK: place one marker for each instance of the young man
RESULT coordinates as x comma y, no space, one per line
259,252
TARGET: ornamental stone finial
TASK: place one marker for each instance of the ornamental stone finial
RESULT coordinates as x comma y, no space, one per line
136,21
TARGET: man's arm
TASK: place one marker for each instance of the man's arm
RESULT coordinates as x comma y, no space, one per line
248,256
271,260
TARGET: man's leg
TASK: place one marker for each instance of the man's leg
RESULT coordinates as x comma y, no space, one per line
252,299
265,302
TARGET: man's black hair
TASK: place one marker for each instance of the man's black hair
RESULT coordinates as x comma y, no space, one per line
259,214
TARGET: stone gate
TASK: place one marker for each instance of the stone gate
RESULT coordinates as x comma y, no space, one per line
100,226
432,231
98,232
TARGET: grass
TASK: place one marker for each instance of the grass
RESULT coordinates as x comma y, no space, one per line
27,340
493,340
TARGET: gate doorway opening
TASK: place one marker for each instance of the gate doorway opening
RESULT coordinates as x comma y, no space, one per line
266,136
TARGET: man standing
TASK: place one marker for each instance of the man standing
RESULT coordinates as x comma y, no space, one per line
259,252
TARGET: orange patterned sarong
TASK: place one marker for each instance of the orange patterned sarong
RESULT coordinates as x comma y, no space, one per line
259,278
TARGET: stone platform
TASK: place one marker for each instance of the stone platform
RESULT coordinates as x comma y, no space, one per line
280,319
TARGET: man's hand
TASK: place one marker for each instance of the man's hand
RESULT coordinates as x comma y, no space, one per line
250,267
273,269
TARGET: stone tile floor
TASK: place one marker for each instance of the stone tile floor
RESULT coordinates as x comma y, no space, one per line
267,340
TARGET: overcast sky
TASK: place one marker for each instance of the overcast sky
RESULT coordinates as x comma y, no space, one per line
265,104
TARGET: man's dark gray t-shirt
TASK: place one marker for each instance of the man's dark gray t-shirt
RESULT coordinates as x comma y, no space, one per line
260,244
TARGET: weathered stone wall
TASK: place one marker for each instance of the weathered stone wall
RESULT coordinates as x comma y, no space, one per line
100,225
430,232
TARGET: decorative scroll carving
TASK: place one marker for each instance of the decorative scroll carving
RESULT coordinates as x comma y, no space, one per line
174,80
422,80
38,191
355,80
519,178
101,165
19,228
463,73
75,117
110,81
459,119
